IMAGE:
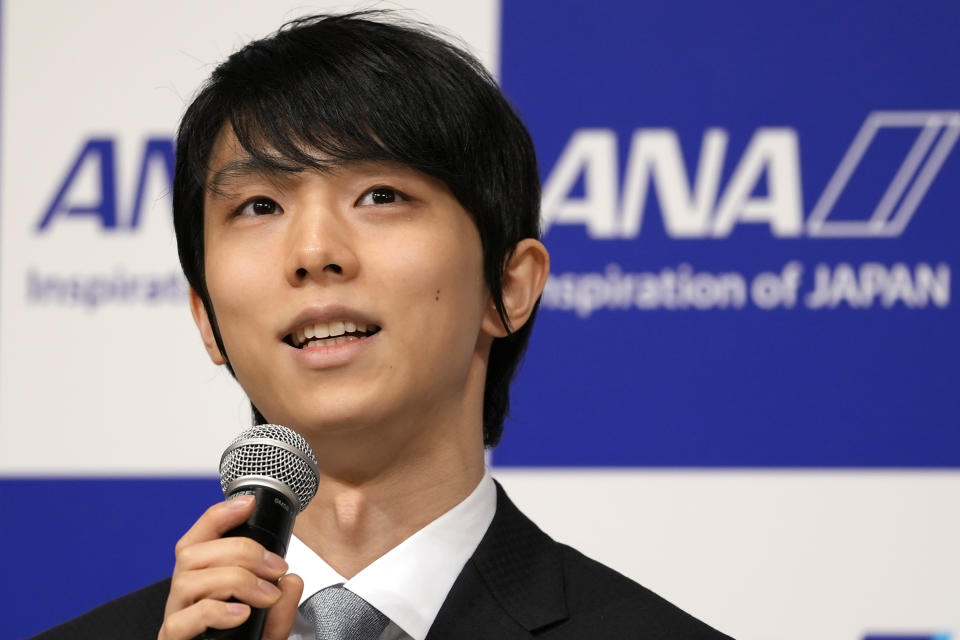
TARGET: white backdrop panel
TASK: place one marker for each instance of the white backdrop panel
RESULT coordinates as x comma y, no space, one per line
130,376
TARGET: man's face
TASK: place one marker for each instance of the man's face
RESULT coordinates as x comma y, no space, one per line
380,258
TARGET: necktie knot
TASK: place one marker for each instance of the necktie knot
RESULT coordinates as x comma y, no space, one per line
337,613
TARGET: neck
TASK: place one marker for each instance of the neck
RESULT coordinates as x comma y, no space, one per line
357,517
383,481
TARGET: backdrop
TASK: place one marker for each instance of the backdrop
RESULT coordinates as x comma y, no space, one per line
742,387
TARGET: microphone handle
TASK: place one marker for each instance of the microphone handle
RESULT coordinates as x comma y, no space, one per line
270,524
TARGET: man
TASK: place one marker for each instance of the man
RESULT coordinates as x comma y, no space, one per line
356,208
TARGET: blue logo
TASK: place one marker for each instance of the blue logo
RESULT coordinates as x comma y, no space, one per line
700,206
100,155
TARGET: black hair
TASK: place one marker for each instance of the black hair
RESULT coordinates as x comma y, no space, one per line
328,89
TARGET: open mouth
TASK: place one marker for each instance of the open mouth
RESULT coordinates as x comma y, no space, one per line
328,334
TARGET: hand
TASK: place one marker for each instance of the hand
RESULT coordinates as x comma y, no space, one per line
211,570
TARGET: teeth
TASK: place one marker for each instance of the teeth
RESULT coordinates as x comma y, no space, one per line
311,335
328,342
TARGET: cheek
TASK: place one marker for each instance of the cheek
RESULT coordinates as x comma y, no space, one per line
236,289
437,271
443,293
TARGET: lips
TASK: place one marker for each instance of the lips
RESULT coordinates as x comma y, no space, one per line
327,334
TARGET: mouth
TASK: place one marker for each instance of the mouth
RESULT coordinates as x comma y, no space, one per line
328,334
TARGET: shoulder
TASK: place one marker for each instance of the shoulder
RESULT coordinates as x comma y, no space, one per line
600,598
551,589
133,616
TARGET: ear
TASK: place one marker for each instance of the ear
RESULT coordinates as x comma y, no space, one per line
206,329
524,277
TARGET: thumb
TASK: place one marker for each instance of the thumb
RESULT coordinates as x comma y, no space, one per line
283,614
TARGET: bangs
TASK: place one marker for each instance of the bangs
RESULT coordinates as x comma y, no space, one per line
349,99
293,137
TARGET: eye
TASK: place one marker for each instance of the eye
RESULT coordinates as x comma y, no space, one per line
380,195
259,207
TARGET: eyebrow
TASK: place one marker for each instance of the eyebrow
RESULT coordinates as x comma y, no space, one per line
238,169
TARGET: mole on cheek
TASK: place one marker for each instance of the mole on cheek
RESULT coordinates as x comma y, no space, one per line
437,297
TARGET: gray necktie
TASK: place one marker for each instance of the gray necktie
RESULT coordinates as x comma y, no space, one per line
339,614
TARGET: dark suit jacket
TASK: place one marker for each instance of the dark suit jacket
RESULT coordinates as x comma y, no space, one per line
519,584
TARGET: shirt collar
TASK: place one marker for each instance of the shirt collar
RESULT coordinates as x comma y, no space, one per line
409,583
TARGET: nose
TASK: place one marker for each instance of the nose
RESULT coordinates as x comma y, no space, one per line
321,248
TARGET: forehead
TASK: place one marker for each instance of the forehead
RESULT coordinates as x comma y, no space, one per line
225,147
245,140
231,165
230,161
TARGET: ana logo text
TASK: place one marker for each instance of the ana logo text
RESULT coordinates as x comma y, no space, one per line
701,209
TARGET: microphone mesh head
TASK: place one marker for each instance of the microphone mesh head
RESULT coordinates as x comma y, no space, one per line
275,452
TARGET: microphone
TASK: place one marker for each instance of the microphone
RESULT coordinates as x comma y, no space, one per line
276,466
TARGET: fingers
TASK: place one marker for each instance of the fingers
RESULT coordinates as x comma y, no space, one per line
282,615
237,552
210,571
222,583
212,613
207,614
217,520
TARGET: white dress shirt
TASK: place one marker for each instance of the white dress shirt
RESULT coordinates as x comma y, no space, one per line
409,583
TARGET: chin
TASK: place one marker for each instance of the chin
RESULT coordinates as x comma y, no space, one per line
329,423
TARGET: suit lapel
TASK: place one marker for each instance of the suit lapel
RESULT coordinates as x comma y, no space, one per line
510,588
